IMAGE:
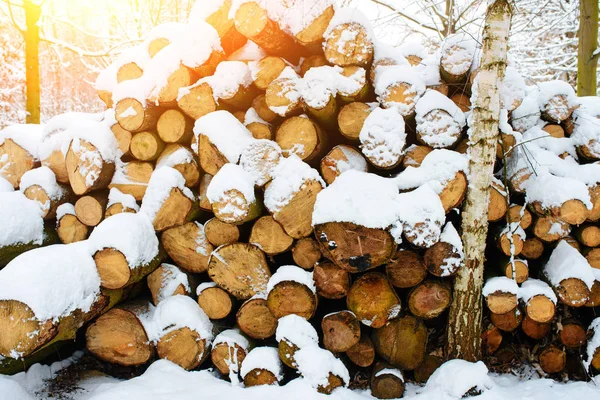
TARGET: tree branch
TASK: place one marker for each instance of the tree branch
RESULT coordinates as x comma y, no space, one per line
389,7
82,52
12,17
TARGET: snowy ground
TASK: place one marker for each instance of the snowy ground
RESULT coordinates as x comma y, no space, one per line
164,380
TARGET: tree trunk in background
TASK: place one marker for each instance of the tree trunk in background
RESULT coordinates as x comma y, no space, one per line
464,327
32,61
587,61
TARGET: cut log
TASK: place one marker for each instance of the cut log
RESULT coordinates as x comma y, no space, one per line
267,70
361,93
429,299
229,349
518,213
259,159
269,236
554,130
261,367
341,331
262,109
454,192
166,281
14,162
314,61
182,159
132,178
197,101
492,339
215,301
354,247
559,106
231,39
351,119
48,194
283,95
595,199
255,319
174,127
288,295
188,246
203,201
252,21
68,226
535,330
303,137
550,229
167,93
239,268
175,211
90,208
402,342
340,51
119,337
134,116
497,206
373,300
593,257
87,169
119,203
232,195
501,302
457,57
429,365
462,101
341,158
183,347
442,259
510,242
518,270
506,144
553,359
311,37
331,281
219,233
293,333
572,212
533,248
414,155
573,292
306,253
395,89
386,382
571,334
146,146
588,235
507,322
406,269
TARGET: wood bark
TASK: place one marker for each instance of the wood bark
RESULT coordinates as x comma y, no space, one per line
587,55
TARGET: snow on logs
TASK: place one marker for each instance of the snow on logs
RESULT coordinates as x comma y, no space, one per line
19,151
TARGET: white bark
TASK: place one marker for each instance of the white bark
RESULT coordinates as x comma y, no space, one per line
464,330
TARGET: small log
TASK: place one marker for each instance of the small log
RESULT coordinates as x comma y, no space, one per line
119,337
406,269
262,109
456,58
506,144
132,178
429,365
267,234
554,130
354,247
313,61
588,235
414,155
311,37
341,331
507,322
429,299
454,192
214,301
571,333
402,342
188,247
231,39
167,93
351,119
462,101
535,330
229,349
203,201
331,281
129,71
386,382
510,242
497,206
219,233
174,127
183,160
595,199
533,248
553,359
146,146
501,302
232,195
593,257
69,228
134,116
15,161
49,201
255,319
303,137
341,158
517,270
87,169
157,45
362,354
441,259
239,268
183,347
252,21
253,374
492,339
267,70
116,272
398,91
572,211
373,300
119,203
550,229
520,214
90,208
340,51
166,281
197,101
291,297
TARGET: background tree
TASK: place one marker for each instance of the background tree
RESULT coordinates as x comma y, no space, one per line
589,52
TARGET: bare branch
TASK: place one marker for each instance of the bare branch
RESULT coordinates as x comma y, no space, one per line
391,8
81,52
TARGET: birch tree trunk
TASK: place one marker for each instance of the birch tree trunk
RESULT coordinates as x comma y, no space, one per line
32,60
587,57
464,328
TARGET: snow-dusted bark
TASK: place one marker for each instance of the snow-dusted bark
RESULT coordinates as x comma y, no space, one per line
464,328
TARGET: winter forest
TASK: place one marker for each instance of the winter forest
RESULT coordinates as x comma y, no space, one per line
316,199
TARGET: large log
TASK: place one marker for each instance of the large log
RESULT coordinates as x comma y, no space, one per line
373,300
331,281
255,319
402,342
341,331
188,246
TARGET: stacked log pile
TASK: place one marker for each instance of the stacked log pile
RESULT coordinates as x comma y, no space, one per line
275,193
